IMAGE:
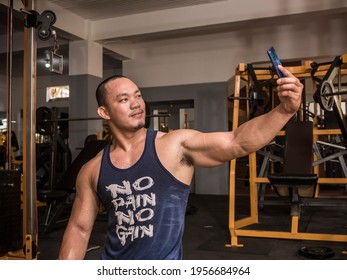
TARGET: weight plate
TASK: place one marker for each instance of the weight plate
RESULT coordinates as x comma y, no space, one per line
318,253
43,118
326,100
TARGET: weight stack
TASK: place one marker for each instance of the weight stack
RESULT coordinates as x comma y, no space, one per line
10,211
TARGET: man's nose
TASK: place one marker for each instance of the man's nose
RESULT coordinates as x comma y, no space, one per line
135,103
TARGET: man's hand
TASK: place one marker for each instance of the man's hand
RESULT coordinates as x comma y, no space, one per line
289,91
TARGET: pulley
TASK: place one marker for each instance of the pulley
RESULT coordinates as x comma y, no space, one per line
42,22
44,29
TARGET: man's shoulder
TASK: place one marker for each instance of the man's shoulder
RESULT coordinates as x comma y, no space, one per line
177,132
174,141
93,165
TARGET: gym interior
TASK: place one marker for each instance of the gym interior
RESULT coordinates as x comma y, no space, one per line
200,64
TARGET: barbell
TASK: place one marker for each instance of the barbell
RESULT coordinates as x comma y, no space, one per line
45,121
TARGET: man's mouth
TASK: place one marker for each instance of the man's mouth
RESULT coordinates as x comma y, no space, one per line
137,114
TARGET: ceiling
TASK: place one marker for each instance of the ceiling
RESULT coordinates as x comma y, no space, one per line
90,10
95,11
102,9
99,10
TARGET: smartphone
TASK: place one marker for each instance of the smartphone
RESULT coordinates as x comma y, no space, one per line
275,61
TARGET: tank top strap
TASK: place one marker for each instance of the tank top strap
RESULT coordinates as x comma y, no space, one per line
150,140
105,155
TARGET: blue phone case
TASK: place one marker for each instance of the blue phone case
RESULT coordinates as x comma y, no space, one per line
275,61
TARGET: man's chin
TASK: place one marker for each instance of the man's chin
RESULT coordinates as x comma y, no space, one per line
139,126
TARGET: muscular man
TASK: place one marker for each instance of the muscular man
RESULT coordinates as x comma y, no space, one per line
142,178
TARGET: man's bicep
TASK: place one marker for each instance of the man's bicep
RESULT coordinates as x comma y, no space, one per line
208,149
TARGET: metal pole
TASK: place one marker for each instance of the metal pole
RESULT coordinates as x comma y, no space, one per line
29,128
9,86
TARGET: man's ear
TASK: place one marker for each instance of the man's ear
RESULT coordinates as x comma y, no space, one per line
103,113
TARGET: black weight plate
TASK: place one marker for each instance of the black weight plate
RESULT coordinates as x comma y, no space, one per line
43,118
318,253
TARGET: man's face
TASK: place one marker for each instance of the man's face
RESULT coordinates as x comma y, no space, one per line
124,104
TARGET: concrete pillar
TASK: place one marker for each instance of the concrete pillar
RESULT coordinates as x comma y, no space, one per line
85,71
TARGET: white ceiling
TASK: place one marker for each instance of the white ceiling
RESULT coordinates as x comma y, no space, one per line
119,21
119,25
103,9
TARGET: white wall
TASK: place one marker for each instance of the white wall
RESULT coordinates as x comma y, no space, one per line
214,57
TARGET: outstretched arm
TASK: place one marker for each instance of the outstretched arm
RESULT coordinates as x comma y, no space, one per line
212,149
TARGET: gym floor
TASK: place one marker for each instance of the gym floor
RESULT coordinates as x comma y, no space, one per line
207,233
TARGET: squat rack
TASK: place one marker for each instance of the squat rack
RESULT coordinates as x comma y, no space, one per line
238,227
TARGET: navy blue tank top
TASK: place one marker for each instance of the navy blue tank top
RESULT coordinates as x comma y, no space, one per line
145,205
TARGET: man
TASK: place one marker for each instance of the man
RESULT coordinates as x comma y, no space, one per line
142,178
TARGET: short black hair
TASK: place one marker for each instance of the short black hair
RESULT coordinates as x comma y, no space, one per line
101,89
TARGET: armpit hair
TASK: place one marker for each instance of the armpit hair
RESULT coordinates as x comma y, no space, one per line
185,160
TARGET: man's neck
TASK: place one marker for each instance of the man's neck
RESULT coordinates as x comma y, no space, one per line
128,140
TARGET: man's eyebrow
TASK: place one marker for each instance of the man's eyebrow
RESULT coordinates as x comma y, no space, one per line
121,94
127,93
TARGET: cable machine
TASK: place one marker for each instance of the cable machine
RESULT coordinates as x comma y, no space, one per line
24,180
